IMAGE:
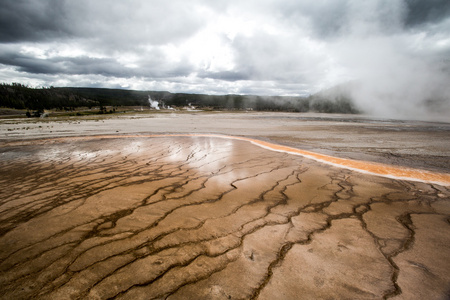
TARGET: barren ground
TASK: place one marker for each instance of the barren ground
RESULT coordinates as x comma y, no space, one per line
113,213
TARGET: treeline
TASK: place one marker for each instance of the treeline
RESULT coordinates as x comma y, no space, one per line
20,96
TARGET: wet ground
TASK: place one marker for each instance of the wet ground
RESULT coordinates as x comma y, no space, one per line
418,144
139,217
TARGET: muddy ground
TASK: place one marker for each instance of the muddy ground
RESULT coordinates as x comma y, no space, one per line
170,217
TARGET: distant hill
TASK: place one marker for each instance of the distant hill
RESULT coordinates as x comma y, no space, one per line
19,96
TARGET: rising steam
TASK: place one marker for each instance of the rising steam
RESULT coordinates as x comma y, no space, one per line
153,104
394,84
395,74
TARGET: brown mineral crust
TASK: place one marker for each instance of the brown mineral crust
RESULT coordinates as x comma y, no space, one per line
211,218
342,262
424,276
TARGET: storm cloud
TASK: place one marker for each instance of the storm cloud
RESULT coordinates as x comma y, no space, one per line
397,50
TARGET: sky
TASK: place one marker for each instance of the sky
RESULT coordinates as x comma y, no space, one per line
397,50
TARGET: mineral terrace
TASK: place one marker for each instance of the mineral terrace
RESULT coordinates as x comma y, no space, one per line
197,217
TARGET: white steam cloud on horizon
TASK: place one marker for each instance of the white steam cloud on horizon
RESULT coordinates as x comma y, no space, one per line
397,74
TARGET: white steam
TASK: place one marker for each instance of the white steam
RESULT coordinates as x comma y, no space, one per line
393,83
153,104
396,76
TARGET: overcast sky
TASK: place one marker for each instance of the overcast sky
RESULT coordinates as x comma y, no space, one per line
264,47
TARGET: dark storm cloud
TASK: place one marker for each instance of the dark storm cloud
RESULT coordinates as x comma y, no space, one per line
420,12
22,20
29,64
99,33
83,65
97,22
69,65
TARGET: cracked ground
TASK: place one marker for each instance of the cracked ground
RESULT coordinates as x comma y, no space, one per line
211,218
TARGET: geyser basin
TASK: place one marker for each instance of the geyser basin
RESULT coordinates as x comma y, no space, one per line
207,217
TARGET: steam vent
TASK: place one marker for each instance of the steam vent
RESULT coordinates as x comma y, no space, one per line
208,217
